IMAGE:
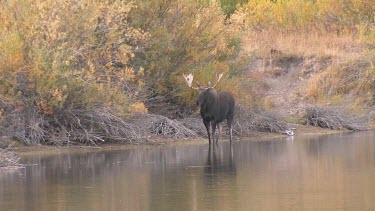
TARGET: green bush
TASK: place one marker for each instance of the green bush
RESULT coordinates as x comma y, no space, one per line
230,6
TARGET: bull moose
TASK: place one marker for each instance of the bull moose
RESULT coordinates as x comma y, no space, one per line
215,106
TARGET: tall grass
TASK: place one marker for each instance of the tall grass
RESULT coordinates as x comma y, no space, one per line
303,44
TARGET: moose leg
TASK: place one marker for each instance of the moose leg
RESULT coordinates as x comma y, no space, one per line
213,124
207,125
218,131
229,121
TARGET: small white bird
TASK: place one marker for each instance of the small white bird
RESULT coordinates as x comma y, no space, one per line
289,132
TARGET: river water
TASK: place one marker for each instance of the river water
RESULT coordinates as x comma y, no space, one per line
331,172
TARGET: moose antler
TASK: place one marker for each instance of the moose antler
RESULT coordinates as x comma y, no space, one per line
218,77
189,80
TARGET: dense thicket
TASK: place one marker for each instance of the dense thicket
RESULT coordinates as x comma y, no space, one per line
65,62
186,36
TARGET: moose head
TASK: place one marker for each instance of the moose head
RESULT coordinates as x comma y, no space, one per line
215,106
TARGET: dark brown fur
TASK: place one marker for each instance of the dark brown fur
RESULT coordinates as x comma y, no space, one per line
215,107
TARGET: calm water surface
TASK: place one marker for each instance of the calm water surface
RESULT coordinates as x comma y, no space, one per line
335,172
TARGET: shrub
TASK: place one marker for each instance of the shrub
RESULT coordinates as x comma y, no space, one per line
349,78
340,17
68,54
65,62
184,36
230,6
63,56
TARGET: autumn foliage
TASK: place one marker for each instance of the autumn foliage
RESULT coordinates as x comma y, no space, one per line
60,57
333,16
65,54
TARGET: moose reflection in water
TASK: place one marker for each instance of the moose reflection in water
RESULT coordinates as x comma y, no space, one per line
206,174
215,107
217,161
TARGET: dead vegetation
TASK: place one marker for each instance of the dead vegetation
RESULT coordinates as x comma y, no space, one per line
247,121
8,159
93,127
65,127
96,126
335,119
158,125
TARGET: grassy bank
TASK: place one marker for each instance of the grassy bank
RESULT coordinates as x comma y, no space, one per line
328,45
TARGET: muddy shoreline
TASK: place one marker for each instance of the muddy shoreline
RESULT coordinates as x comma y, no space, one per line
24,150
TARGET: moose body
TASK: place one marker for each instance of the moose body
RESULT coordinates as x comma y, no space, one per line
215,107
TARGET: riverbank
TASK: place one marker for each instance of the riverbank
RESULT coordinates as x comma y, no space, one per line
24,150
324,168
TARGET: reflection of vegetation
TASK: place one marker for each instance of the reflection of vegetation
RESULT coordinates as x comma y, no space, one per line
260,175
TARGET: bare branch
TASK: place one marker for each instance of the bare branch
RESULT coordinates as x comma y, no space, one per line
334,119
8,159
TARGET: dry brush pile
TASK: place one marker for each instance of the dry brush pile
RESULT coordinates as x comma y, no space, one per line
248,121
74,126
158,125
8,158
335,119
92,127
97,126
